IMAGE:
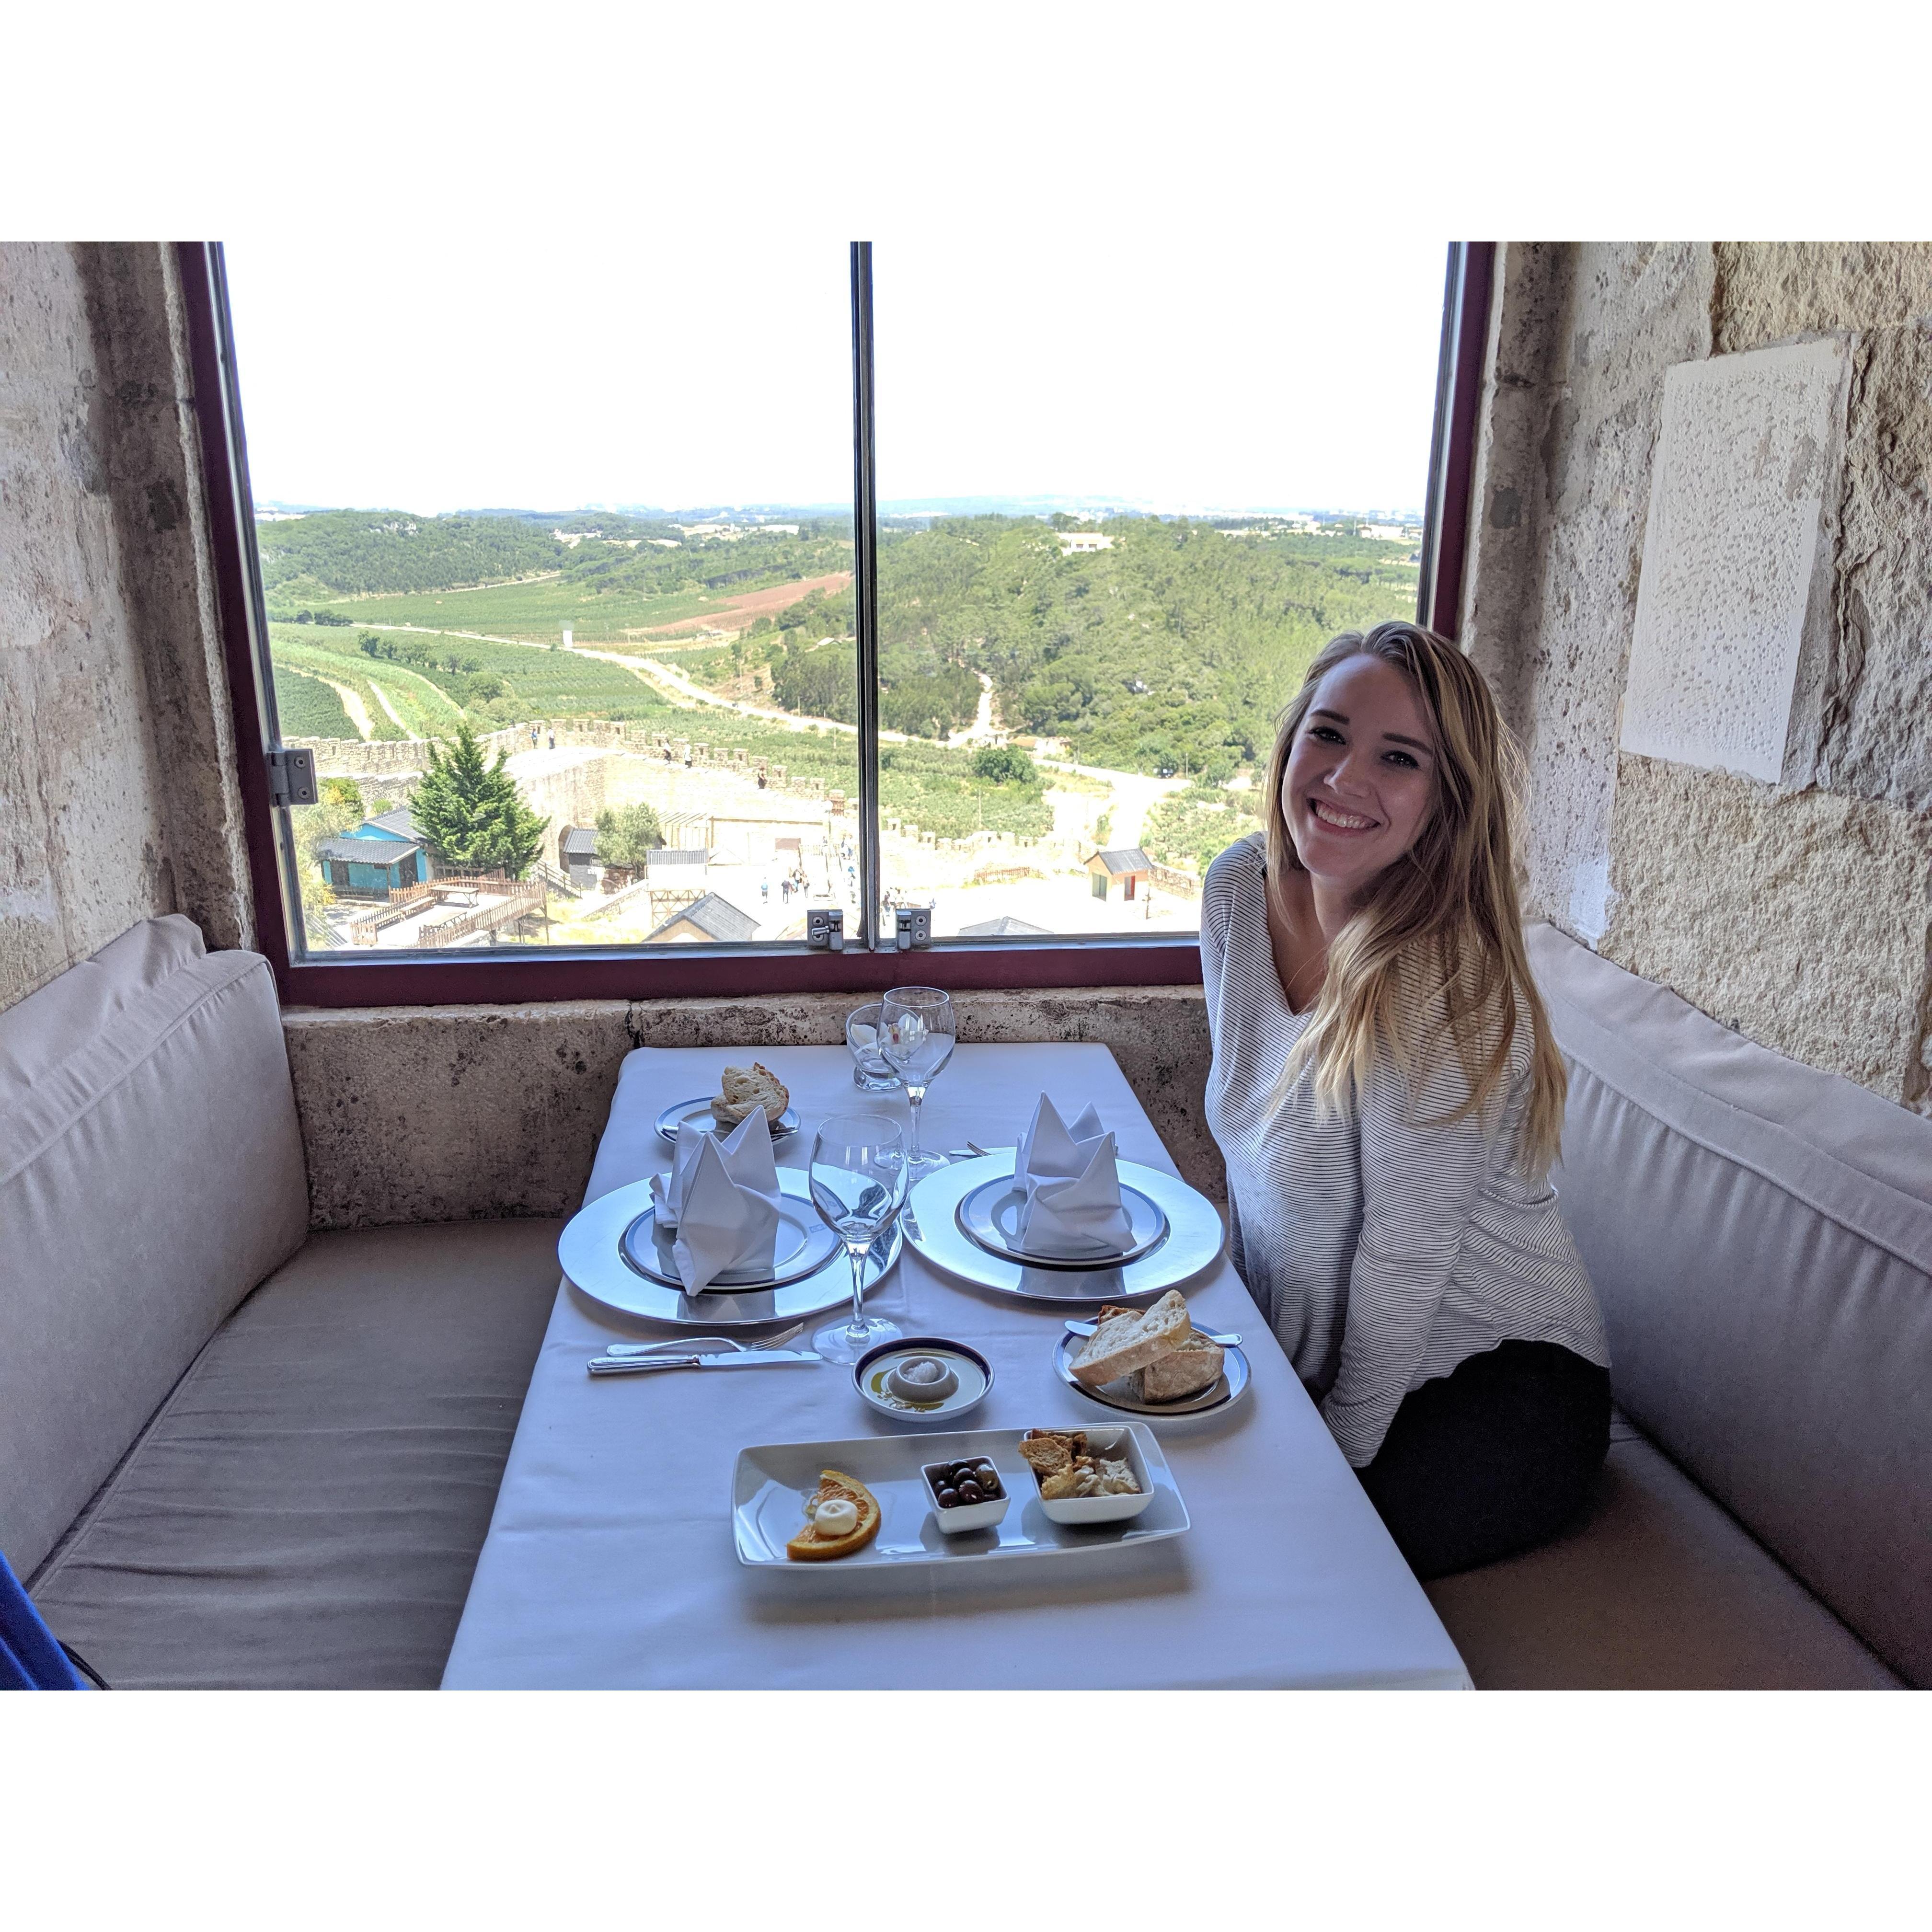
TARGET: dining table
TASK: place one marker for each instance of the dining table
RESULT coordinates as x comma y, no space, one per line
610,1562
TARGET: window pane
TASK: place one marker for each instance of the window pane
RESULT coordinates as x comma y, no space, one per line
557,568
1123,503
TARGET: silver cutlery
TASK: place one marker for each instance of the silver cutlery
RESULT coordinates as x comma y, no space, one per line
692,1344
750,1358
1219,1341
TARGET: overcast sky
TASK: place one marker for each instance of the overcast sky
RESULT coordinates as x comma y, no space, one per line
1260,372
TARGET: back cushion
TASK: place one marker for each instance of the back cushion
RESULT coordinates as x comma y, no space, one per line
151,1175
1760,1236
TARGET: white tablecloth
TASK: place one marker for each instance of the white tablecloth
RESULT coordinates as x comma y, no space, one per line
610,1559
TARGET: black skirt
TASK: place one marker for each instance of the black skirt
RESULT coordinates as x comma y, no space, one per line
1492,1459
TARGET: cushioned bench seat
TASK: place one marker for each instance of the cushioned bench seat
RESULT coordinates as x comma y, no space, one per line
1653,1587
306,1508
1760,1236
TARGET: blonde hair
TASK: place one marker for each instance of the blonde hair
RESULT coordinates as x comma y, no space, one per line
1443,916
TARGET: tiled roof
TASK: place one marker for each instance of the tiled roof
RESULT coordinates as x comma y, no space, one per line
717,918
1129,859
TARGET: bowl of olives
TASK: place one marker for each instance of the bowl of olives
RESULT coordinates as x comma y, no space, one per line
966,1494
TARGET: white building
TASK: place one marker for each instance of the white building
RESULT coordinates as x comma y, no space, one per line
1082,543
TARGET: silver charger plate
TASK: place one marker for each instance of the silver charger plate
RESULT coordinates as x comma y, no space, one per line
698,1113
802,1246
990,1217
1194,1239
592,1262
1223,1392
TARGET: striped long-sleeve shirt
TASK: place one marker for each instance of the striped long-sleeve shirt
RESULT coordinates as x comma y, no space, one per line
1384,1246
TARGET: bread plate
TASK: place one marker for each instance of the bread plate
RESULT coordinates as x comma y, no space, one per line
1223,1393
771,1481
697,1113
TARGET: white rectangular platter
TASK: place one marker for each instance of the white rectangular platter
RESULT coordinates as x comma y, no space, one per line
771,1482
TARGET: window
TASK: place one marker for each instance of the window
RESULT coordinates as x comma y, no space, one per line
608,649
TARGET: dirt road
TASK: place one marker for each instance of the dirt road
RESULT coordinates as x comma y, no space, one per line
352,703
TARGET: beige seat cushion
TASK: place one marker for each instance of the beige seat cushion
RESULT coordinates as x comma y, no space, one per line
1760,1236
151,1175
306,1508
1656,1588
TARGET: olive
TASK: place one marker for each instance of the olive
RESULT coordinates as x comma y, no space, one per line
991,1485
986,1473
971,1492
948,1497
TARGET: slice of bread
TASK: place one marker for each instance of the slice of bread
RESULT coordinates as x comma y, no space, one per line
1194,1366
809,1546
1128,1339
743,1088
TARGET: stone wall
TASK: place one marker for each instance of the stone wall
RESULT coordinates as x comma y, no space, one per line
118,793
1798,909
453,1113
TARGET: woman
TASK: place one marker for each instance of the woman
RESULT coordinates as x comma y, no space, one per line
1388,1099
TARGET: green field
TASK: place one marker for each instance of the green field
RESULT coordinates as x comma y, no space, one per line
536,682
307,707
537,610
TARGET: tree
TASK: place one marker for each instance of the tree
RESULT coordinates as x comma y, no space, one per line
471,814
1004,764
624,837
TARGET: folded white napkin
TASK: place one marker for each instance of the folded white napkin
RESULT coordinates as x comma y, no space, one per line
1072,1185
722,1197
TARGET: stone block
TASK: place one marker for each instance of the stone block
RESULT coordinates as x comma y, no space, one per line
1771,291
1735,580
1801,918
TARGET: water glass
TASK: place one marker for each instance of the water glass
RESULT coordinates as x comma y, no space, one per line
871,1073
858,1180
916,1035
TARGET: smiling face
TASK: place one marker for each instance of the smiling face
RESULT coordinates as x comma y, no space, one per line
1361,776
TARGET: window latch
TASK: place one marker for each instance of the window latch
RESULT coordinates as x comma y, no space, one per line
291,777
914,926
825,928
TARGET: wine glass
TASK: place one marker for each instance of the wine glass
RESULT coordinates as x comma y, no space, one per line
917,1032
858,1180
870,1072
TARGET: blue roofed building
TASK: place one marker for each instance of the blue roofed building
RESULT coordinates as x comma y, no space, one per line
380,856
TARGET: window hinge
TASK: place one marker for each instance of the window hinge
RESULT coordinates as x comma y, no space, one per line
915,926
291,777
826,929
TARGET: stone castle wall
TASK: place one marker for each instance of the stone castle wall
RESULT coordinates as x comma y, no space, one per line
1795,905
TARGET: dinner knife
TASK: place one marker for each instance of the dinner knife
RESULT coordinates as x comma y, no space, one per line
752,1358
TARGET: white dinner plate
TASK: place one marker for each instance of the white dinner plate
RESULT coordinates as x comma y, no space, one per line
1193,1243
989,1216
771,1482
590,1256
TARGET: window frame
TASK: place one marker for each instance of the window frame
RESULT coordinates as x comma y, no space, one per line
528,975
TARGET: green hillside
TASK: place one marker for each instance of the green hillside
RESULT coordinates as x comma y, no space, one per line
434,678
307,708
513,575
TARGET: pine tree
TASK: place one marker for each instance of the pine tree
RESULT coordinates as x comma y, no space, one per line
471,813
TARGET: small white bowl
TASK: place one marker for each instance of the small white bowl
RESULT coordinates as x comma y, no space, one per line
1120,1445
964,1516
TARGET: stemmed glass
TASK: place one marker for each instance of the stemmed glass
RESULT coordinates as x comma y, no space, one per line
858,1182
917,1037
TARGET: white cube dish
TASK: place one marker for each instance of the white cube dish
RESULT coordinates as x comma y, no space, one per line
1120,1444
963,1517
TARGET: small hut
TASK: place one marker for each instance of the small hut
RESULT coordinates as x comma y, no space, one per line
1122,874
